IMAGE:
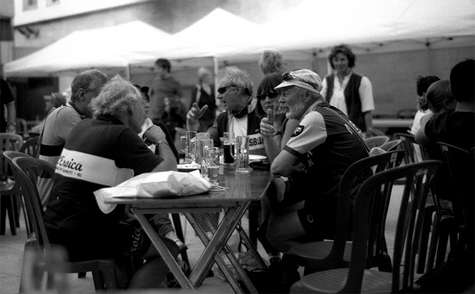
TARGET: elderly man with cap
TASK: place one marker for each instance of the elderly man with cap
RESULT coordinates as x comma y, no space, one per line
310,165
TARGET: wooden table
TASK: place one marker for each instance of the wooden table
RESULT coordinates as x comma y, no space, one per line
241,190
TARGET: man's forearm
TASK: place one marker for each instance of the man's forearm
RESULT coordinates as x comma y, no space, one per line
11,115
169,161
368,119
272,146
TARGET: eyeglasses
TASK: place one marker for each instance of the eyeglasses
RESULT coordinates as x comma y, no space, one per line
271,95
223,90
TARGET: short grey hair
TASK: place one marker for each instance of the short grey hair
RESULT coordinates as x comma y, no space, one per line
232,75
117,96
84,80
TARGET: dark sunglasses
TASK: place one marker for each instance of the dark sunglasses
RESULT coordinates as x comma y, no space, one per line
271,95
223,90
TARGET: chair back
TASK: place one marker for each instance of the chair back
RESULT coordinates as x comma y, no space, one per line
9,156
31,146
376,141
417,178
355,174
8,141
26,171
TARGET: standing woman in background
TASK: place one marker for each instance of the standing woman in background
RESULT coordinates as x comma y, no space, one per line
348,91
203,95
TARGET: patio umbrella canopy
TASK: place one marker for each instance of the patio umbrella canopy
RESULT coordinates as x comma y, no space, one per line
314,24
109,47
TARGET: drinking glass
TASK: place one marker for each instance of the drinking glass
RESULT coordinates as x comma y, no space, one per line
203,141
241,148
212,164
188,146
228,148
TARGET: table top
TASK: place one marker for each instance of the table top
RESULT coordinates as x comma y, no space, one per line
392,122
238,188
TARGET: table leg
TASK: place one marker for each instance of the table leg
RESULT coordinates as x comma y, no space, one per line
230,255
218,259
164,252
219,240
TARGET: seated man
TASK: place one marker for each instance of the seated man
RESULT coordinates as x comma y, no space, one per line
59,122
101,152
235,89
321,148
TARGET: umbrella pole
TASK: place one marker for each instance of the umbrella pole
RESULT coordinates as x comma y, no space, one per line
215,71
128,72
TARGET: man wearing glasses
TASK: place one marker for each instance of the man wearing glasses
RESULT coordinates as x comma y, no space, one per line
322,146
235,90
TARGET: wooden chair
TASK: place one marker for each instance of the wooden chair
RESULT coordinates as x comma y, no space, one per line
376,141
31,146
357,278
8,203
323,255
26,171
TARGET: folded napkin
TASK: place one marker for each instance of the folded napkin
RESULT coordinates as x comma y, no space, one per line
154,185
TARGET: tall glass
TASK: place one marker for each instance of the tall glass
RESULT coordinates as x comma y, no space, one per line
228,148
242,154
212,163
187,146
203,141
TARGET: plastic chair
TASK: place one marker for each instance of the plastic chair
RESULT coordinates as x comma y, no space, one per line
323,255
31,146
26,171
8,203
376,141
357,278
9,156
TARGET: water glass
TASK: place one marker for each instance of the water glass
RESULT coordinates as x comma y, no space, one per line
203,141
187,146
242,154
212,163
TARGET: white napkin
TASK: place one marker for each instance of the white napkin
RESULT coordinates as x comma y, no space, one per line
154,185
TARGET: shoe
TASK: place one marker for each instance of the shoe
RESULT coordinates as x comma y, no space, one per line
181,246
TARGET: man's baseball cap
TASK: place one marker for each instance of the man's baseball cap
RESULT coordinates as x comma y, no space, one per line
302,78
